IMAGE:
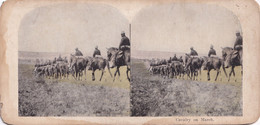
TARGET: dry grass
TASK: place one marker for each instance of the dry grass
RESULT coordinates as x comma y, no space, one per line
152,95
69,97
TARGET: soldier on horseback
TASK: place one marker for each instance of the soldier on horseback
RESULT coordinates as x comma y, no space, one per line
96,52
181,60
174,58
125,42
238,46
193,52
78,53
65,59
59,58
212,51
123,47
54,61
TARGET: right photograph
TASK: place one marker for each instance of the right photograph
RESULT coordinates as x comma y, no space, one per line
186,60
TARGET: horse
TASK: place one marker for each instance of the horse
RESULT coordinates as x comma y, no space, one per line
193,65
215,63
227,54
112,56
63,68
79,64
95,63
177,69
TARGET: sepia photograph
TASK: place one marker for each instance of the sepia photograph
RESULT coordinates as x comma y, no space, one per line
74,61
186,61
129,62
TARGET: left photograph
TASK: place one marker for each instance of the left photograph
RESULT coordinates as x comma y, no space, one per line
74,60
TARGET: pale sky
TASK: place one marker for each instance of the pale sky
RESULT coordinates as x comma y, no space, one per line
168,27
63,27
177,27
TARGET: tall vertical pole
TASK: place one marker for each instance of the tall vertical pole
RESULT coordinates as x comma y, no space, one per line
130,32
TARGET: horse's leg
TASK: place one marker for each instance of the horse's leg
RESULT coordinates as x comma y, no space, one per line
208,75
197,75
81,74
232,69
217,75
85,72
241,70
93,74
77,75
80,78
191,75
188,74
118,71
67,74
115,74
61,74
73,74
127,71
101,74
234,73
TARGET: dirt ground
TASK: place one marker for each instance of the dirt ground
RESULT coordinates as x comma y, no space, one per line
152,95
50,97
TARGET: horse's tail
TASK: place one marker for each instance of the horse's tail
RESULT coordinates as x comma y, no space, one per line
108,67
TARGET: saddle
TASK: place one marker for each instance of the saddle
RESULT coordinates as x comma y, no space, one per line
120,56
235,54
214,56
79,57
98,56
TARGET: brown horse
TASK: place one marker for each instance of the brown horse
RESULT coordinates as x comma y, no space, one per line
215,63
78,64
193,65
229,61
112,56
95,63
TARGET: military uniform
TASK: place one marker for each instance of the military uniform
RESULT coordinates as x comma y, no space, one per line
238,43
181,60
78,53
211,52
124,42
174,58
65,60
193,53
238,47
59,59
96,52
123,46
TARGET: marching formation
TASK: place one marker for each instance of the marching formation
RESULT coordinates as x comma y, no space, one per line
174,67
192,63
77,65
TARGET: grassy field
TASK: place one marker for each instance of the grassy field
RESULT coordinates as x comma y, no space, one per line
153,95
68,97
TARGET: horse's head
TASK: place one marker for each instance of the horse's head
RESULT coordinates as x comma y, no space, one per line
226,51
72,60
204,63
188,61
226,55
186,57
111,52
